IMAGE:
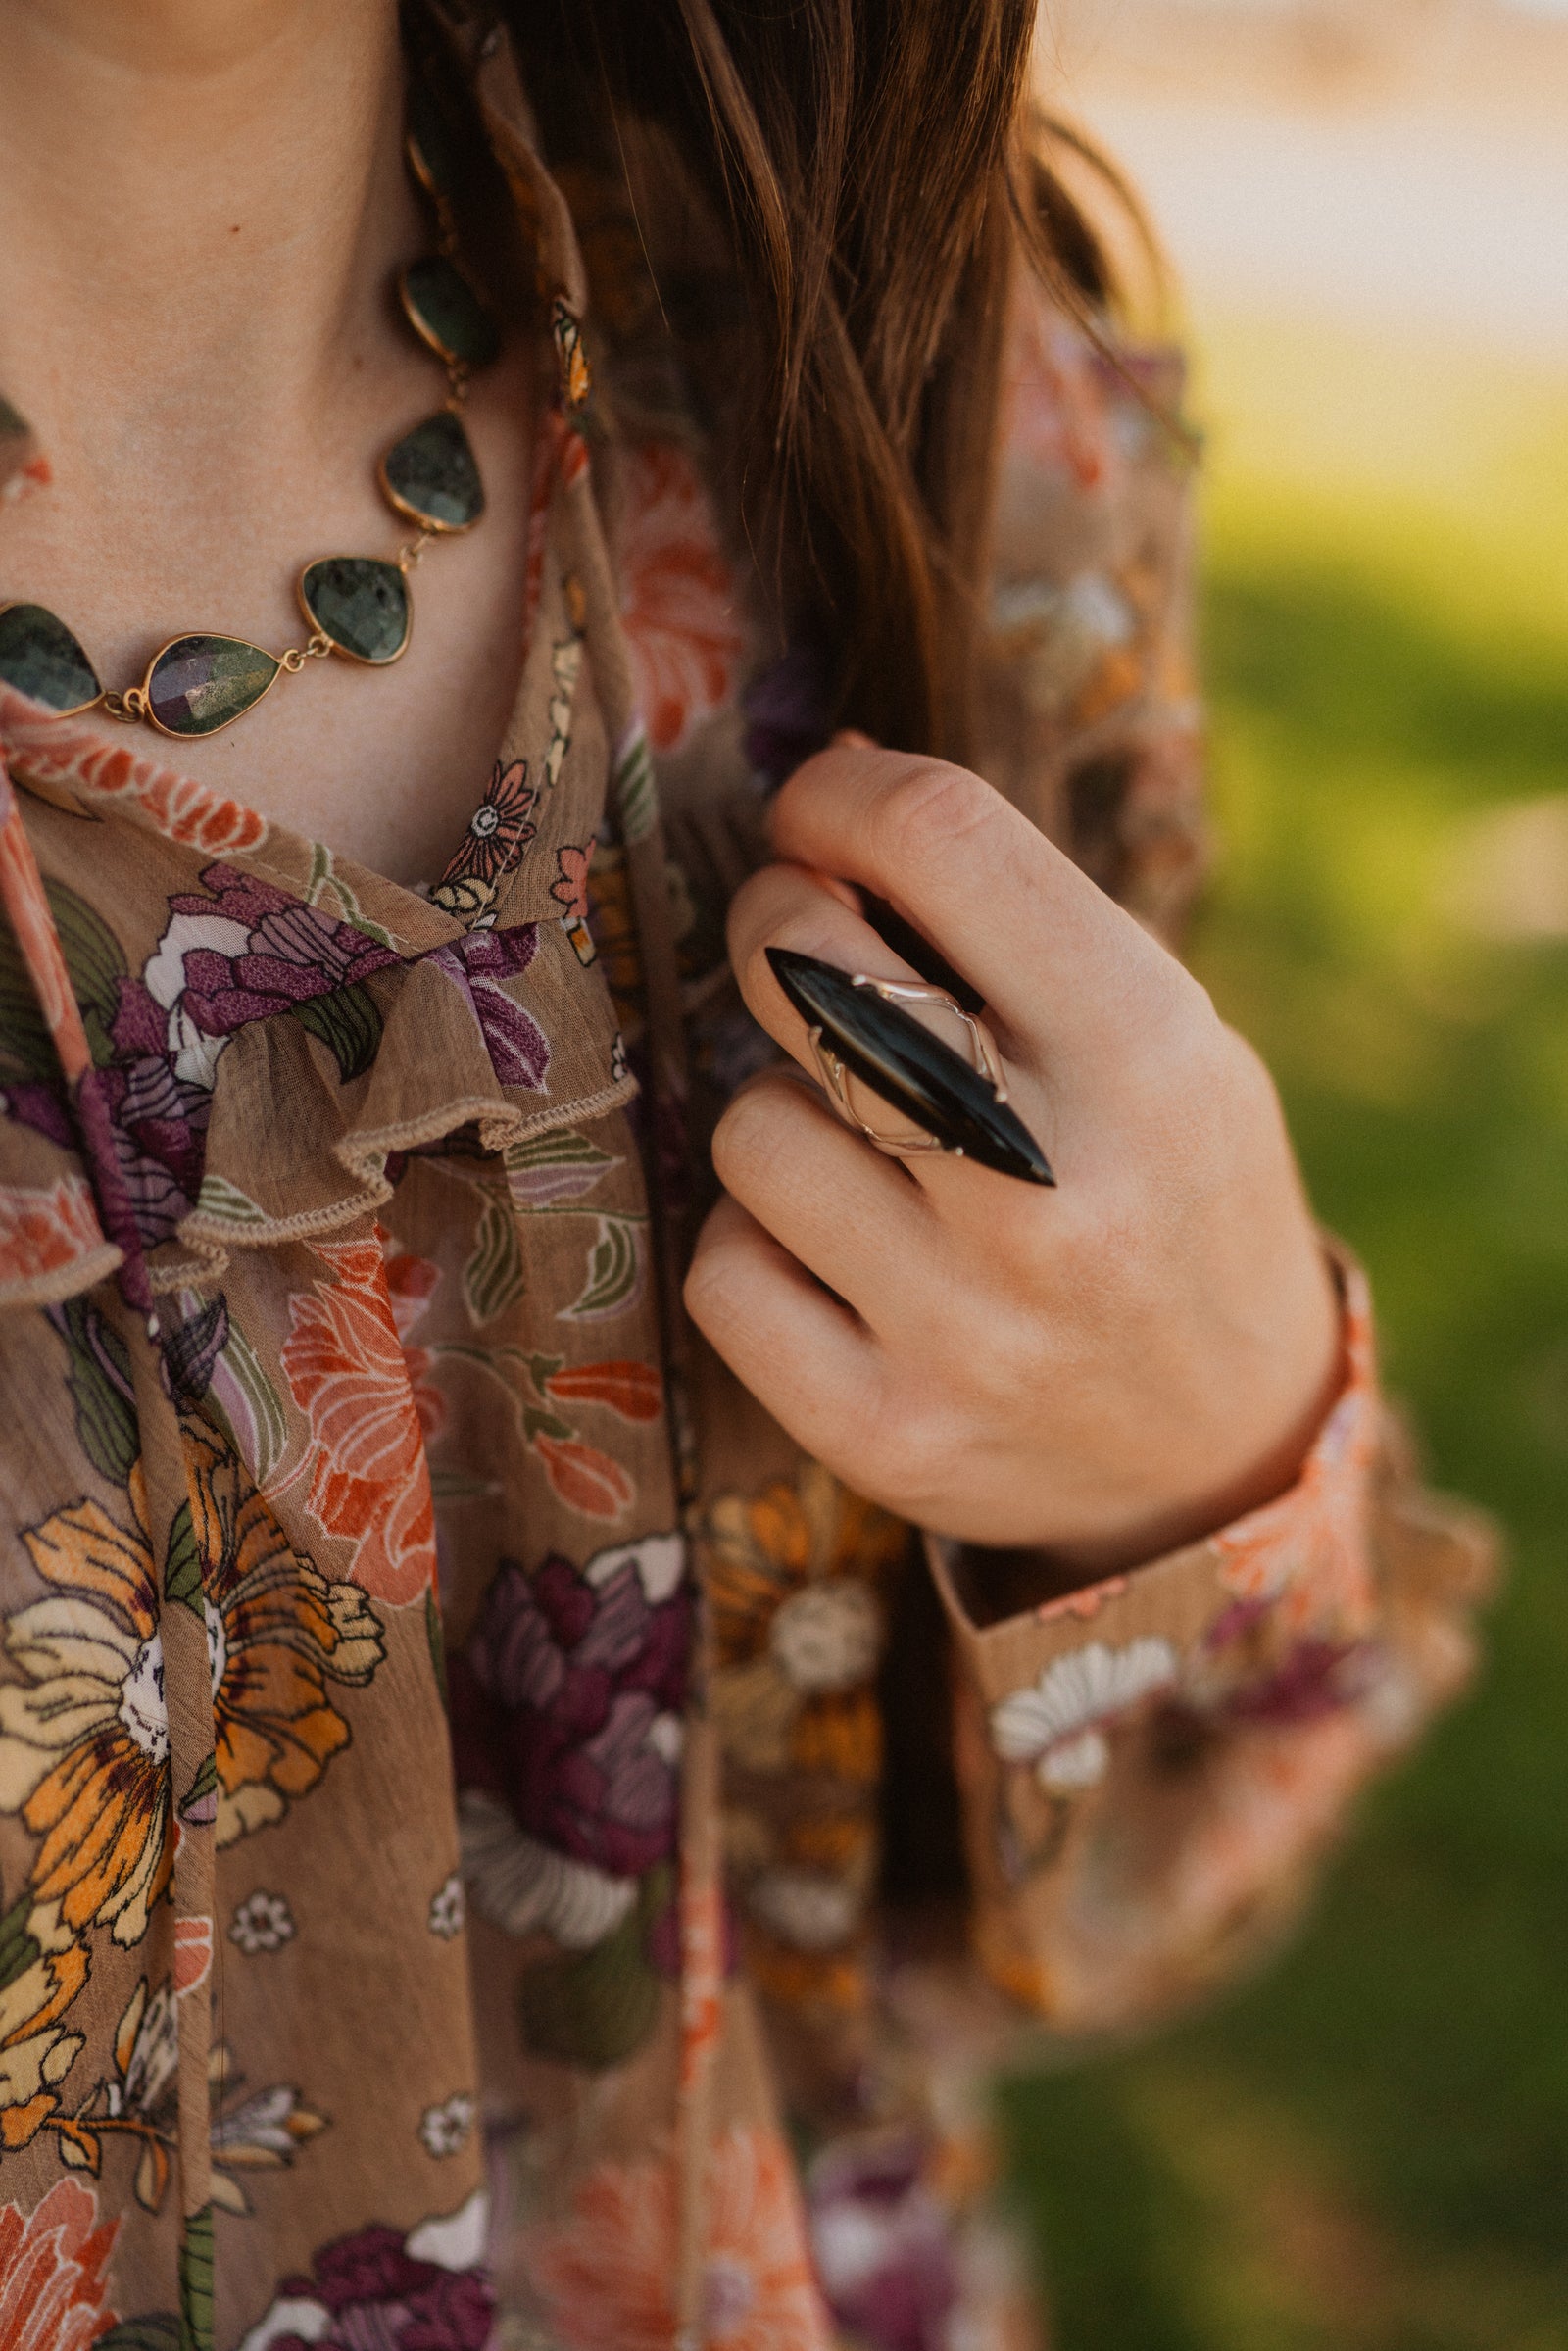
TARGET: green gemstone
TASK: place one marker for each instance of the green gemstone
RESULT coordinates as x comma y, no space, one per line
446,312
431,476
39,655
199,684
360,602
427,142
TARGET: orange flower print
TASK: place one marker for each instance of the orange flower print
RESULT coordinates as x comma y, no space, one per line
370,1409
48,1233
679,596
84,1737
586,1480
571,886
54,2261
64,751
797,1622
47,1968
606,2272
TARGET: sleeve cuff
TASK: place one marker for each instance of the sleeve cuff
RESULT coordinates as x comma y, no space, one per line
1268,1619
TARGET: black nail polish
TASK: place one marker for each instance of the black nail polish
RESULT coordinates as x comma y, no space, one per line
912,1071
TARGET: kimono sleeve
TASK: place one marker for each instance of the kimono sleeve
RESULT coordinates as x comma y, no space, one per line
1150,1766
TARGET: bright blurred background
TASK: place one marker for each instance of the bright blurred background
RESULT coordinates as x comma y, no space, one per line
1366,202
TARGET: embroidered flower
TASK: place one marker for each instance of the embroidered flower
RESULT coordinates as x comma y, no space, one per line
678,594
565,1707
500,828
54,2272
426,2292
447,1908
444,2129
798,1625
84,1737
349,1370
606,2269
264,1923
1057,1724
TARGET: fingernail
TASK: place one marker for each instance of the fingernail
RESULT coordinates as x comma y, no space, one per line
850,737
912,1071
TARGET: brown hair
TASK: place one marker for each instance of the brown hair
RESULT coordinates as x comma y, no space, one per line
881,171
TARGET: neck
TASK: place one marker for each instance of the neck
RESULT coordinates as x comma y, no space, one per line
200,204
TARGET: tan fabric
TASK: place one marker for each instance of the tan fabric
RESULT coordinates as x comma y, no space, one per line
364,1970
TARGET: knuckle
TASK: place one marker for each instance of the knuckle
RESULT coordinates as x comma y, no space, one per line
748,1136
932,808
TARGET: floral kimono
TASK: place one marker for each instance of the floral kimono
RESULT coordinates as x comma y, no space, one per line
495,1846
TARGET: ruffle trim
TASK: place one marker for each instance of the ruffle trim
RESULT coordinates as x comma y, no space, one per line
292,1137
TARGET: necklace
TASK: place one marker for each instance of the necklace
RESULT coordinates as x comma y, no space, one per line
358,605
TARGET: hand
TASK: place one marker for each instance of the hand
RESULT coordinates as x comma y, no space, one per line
1104,1370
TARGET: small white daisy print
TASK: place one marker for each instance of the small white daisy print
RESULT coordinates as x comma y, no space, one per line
447,1908
264,1923
444,2128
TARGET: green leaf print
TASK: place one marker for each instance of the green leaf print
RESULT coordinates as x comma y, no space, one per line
268,1428
545,1170
435,1633
94,962
196,2282
615,1273
99,1379
591,2008
18,1948
224,1202
349,1023
493,1277
159,2331
182,1564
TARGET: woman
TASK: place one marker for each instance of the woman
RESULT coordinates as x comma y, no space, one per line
482,1755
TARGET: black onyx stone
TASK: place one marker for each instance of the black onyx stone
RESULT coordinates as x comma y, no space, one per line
199,684
899,1059
430,475
360,602
39,655
445,310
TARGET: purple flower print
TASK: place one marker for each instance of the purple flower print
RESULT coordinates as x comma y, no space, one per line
566,1705
883,2247
376,2293
243,952
479,965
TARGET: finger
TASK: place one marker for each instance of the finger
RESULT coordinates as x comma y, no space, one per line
784,905
842,1210
805,1358
1009,910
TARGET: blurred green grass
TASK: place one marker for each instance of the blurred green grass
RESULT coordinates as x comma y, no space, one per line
1367,2148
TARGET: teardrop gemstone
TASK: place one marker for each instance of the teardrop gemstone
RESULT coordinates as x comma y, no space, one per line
198,684
361,602
39,655
446,313
430,475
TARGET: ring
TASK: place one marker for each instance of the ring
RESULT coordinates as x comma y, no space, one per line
984,1059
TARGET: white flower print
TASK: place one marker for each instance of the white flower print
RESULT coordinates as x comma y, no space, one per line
1055,1724
826,1637
522,1885
447,1908
262,1922
806,1908
444,2128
